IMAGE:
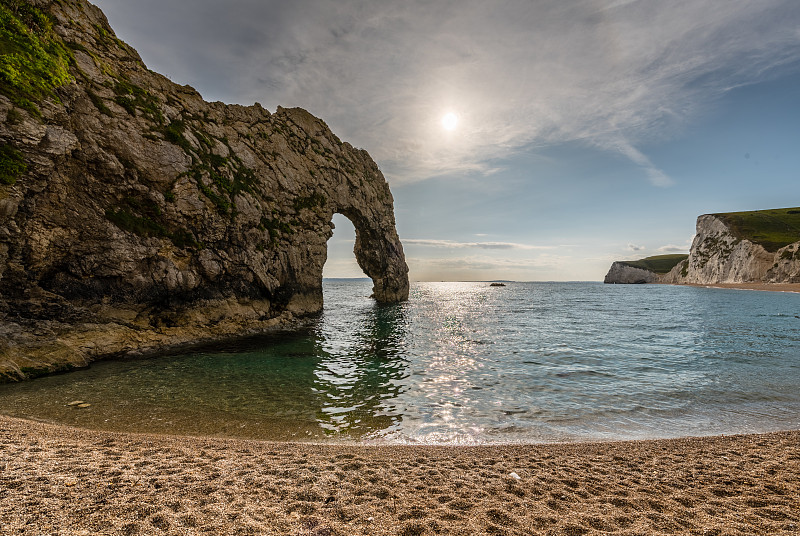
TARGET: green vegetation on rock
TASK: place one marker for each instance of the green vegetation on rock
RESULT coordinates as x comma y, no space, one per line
133,98
144,218
660,264
229,176
108,40
773,229
123,192
310,202
276,227
173,133
12,165
790,254
33,60
98,103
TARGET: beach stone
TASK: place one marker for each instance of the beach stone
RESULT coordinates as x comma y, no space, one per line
148,218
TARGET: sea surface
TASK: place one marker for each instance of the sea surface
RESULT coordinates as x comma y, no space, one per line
465,363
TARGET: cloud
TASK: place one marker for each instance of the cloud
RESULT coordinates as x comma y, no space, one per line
480,267
671,248
623,146
634,247
615,75
450,244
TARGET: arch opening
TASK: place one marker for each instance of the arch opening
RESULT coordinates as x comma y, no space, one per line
377,250
341,262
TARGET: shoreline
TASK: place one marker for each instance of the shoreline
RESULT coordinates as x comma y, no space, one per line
765,287
58,479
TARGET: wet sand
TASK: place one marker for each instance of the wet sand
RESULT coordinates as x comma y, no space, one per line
60,480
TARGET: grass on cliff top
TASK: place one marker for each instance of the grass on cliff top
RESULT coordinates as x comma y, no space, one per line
33,60
773,229
660,264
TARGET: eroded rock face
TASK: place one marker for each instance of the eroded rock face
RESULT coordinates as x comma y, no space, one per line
786,268
148,218
719,256
621,273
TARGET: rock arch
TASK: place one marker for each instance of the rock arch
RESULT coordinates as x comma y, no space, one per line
354,187
142,218
380,255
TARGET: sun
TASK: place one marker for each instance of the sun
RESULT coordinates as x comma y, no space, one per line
449,121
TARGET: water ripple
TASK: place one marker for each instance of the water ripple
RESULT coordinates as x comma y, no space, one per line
464,363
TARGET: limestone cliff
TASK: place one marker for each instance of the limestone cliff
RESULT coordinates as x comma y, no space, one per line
737,247
722,253
786,268
621,273
135,216
647,270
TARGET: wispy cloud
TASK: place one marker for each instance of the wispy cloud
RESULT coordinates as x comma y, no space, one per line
654,175
672,248
484,267
450,244
634,247
614,75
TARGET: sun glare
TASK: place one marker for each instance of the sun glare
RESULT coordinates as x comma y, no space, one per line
450,121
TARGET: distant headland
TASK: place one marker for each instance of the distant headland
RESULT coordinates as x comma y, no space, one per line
755,248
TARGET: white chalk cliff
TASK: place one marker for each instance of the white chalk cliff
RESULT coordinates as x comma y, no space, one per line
718,255
722,254
625,274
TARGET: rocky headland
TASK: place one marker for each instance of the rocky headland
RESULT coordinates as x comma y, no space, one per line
623,272
135,217
758,247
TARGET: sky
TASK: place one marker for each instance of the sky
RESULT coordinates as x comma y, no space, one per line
522,140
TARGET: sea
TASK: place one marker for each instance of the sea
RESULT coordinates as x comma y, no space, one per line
464,363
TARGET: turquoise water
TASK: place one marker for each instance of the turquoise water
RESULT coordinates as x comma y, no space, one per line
466,363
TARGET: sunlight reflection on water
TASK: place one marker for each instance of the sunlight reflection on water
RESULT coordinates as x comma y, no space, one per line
466,363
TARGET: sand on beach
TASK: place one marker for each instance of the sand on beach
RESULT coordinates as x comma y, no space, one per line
65,481
772,287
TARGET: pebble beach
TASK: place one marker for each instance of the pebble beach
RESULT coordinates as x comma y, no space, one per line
68,481
766,287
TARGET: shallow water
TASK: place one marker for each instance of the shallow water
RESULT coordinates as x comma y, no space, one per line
466,363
